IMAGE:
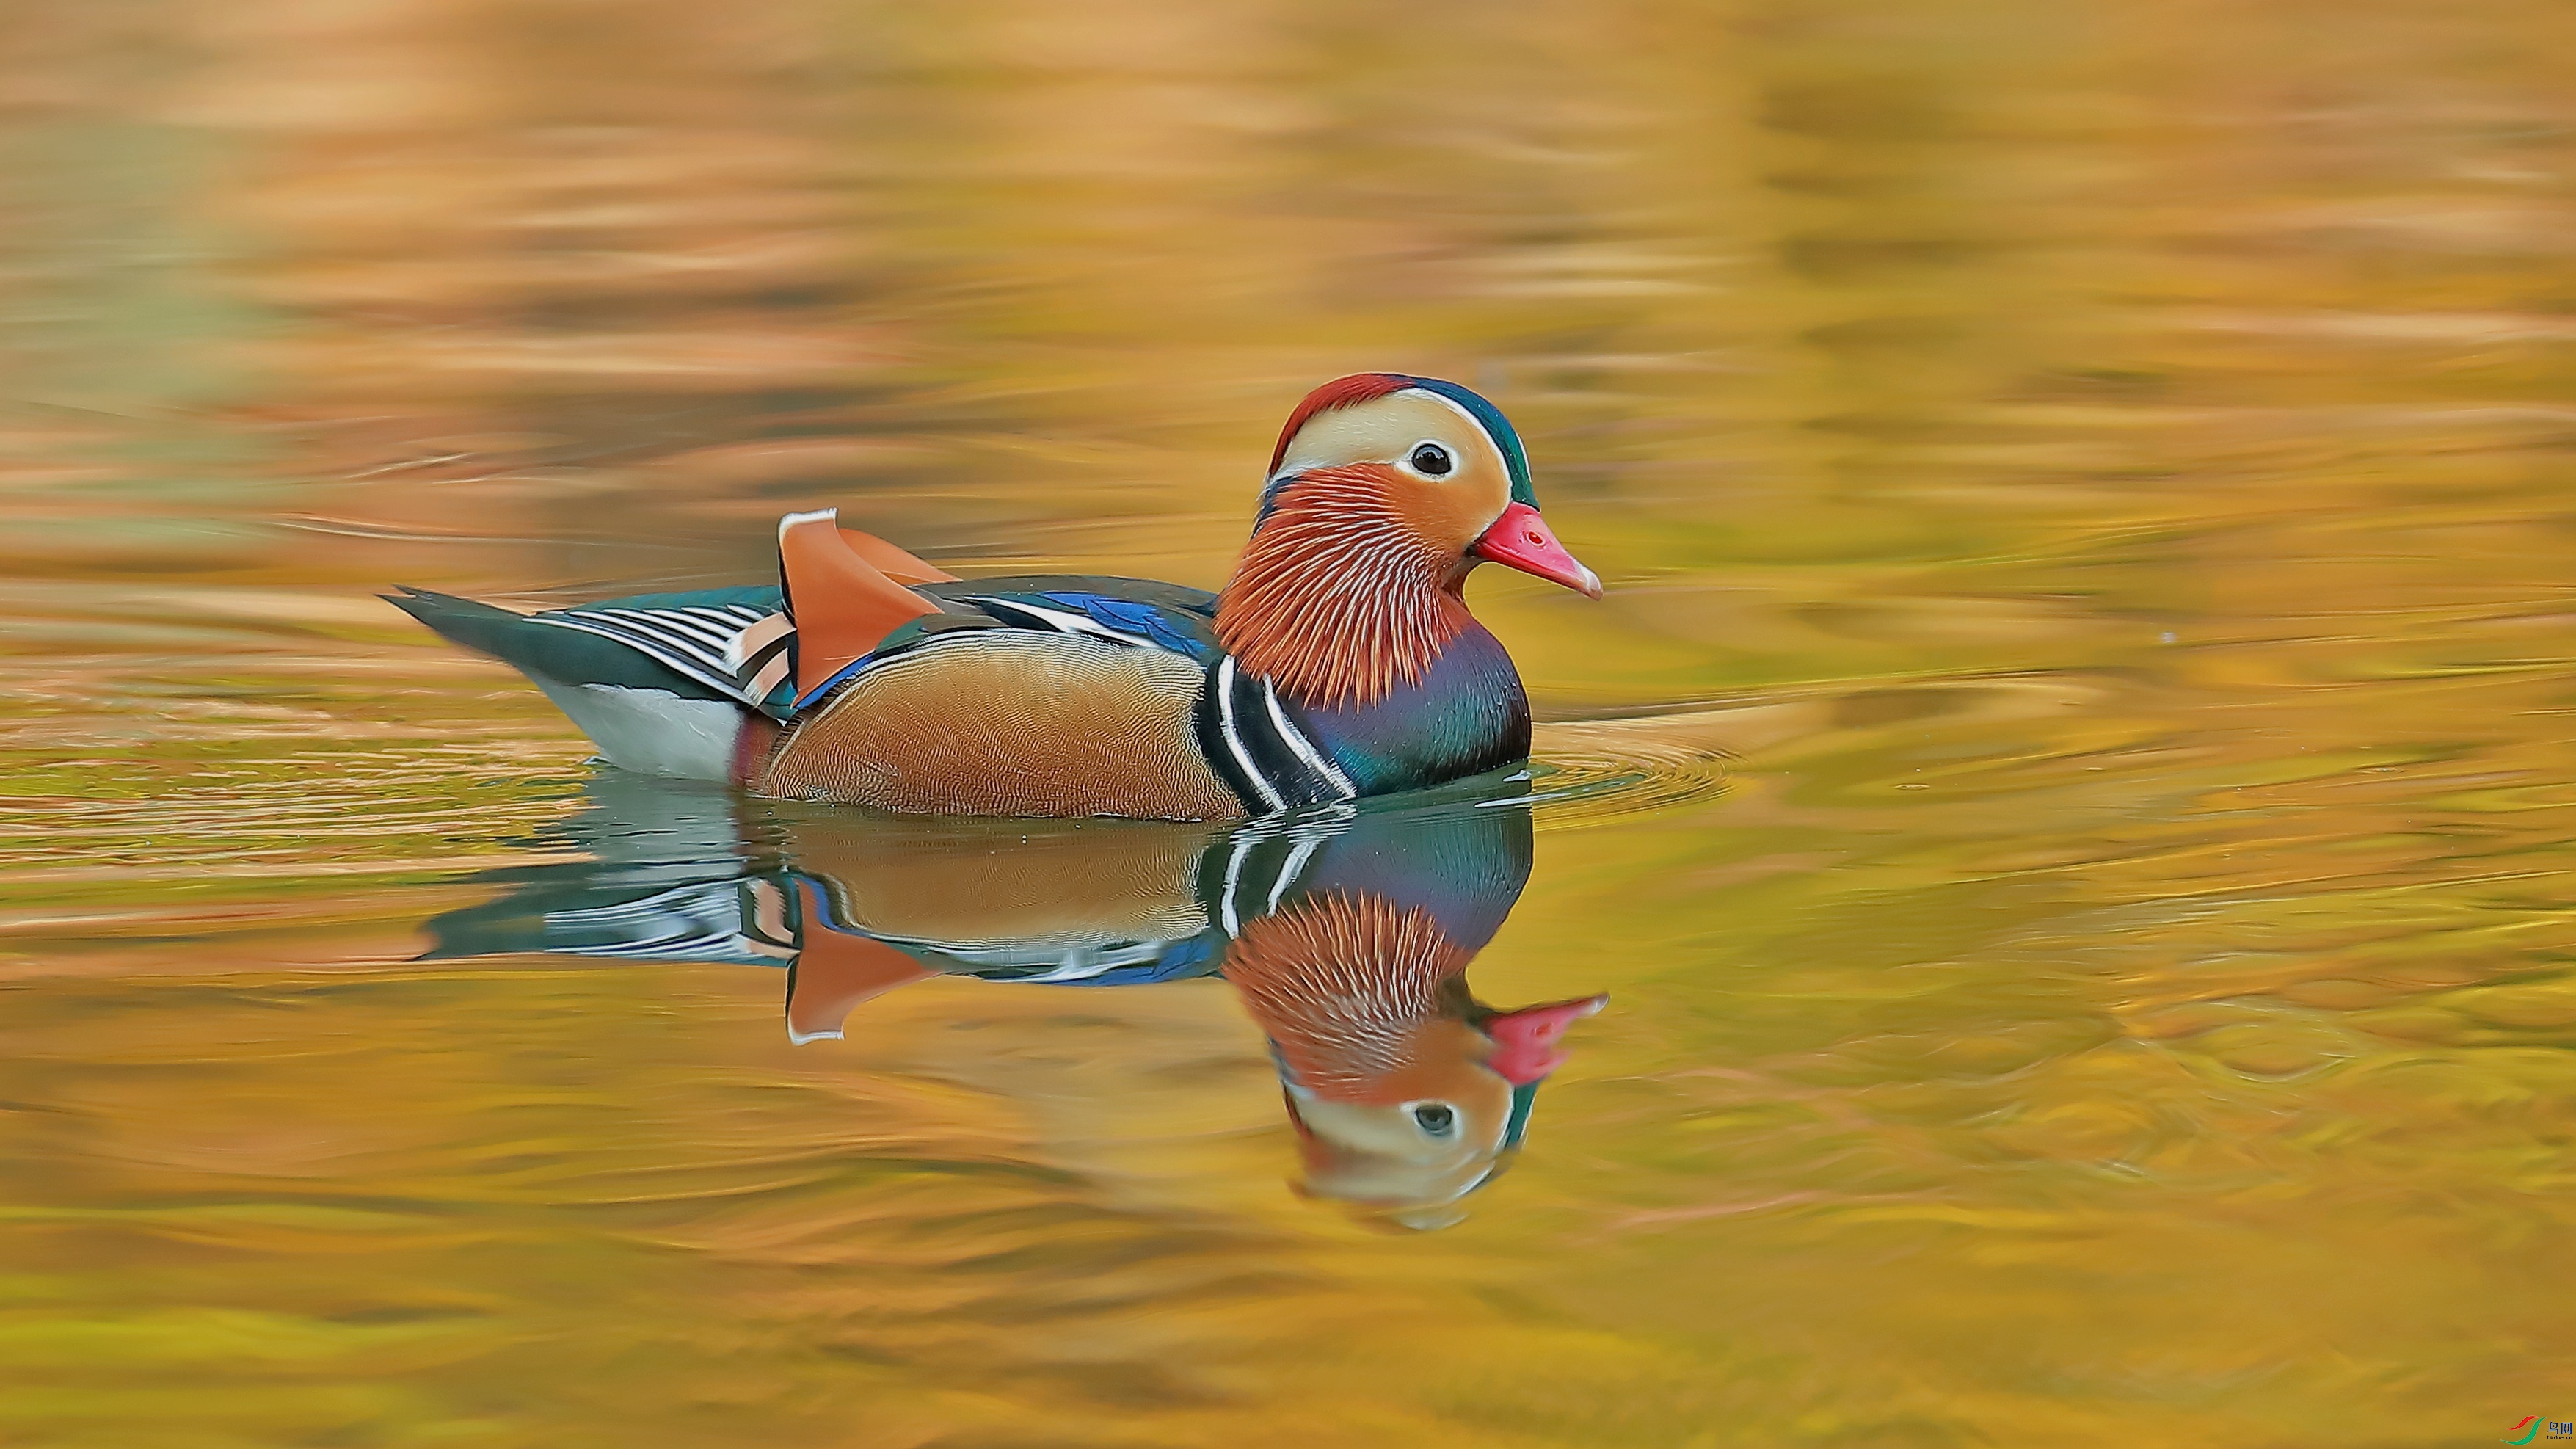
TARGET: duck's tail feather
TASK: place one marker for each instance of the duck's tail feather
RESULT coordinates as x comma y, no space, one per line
477,626
595,913
674,643
645,688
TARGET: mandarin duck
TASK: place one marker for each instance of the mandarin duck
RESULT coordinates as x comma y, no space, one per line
1339,660
1346,936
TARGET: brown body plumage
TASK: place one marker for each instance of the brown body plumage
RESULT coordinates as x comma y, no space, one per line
1090,729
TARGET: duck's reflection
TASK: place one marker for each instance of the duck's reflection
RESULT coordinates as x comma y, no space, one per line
1346,937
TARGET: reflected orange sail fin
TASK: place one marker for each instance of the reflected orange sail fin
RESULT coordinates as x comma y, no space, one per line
835,974
843,604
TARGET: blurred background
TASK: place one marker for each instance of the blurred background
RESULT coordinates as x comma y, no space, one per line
2115,465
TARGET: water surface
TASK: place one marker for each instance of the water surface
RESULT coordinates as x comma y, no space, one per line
2102,478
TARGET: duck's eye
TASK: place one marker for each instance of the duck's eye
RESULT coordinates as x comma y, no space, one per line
1439,1119
1431,460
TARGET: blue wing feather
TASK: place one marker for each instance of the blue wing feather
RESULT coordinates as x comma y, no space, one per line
1131,616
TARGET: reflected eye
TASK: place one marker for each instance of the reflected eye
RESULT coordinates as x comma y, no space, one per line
1438,1119
1431,460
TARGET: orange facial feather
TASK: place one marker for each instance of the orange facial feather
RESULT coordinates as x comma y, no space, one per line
1339,596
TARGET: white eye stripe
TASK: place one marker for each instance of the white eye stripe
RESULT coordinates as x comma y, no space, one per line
1473,421
1330,440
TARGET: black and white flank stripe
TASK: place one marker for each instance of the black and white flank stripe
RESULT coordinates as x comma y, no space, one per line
1265,865
1258,751
738,650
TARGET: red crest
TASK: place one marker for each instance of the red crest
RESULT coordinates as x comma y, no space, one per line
1341,392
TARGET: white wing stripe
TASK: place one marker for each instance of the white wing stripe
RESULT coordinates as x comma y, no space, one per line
672,622
689,649
1069,623
655,630
699,639
687,665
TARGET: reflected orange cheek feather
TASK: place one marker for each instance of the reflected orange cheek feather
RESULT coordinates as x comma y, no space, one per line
1345,985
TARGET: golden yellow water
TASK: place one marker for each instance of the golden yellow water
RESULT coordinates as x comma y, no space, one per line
2107,472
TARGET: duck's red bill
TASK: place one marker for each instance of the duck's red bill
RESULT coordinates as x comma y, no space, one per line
1521,539
1525,1040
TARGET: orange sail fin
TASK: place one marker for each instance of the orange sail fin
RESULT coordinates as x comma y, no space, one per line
895,563
844,606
